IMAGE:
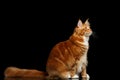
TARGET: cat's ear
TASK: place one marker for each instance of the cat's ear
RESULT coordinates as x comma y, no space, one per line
79,24
87,22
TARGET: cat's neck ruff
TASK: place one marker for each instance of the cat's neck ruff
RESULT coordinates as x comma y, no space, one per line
86,39
80,40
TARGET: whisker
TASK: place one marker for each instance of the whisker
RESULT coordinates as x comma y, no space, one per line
94,35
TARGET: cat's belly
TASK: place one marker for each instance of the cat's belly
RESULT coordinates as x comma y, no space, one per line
80,63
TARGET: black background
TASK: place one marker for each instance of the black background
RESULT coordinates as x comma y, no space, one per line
29,31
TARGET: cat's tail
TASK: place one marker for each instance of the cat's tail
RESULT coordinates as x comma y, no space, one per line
17,72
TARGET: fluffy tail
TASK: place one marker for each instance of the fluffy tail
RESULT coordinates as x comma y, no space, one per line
17,72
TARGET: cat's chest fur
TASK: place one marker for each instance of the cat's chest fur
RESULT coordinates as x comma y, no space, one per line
83,59
85,42
81,62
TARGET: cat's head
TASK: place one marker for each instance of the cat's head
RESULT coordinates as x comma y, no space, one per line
83,29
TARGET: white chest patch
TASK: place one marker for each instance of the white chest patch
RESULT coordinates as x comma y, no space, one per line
86,40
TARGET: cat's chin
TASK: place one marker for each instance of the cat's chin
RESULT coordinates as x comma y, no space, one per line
88,34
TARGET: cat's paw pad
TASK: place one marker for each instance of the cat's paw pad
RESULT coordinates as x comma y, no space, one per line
87,77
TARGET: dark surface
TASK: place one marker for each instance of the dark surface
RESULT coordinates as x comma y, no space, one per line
27,41
35,79
29,33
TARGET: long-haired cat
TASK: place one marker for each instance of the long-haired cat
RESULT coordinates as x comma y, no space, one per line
68,59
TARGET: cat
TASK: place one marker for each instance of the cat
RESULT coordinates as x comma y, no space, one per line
68,59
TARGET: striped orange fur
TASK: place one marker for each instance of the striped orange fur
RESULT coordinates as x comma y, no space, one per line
69,58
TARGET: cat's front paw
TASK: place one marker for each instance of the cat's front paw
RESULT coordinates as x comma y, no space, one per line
87,77
76,76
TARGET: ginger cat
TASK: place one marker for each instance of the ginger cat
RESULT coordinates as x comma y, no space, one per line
68,59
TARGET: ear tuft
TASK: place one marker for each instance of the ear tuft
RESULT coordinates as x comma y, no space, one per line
79,24
87,22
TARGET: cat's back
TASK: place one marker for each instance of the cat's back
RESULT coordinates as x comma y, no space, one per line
59,48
